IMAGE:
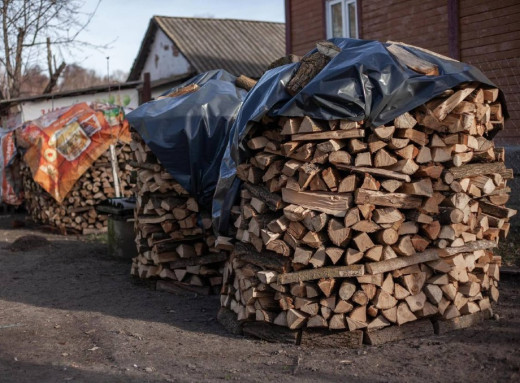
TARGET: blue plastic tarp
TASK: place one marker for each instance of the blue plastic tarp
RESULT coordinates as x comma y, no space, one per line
364,82
189,133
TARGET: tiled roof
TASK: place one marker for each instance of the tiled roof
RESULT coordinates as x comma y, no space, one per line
238,46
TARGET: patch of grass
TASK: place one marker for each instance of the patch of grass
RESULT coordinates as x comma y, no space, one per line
509,249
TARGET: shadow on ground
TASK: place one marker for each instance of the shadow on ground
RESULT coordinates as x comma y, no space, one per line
69,273
23,372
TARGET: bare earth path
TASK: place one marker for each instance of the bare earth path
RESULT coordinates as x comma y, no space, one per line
70,313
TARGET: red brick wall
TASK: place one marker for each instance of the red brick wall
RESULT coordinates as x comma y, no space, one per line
307,24
422,23
490,40
489,36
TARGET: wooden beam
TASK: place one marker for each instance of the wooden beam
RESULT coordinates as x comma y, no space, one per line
271,333
442,327
375,171
402,262
331,339
332,134
472,170
322,272
417,329
483,244
146,92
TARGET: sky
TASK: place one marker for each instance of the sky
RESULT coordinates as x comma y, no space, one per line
122,24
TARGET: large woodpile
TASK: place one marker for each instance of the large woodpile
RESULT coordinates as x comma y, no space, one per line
174,237
348,227
77,212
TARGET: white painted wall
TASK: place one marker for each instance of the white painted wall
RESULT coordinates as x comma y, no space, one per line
32,110
164,59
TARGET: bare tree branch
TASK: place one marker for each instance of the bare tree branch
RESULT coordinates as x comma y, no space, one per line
54,79
49,56
28,24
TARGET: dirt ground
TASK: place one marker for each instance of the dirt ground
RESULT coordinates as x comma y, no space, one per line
68,312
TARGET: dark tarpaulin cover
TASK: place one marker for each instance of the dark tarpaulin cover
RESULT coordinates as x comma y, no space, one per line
189,133
363,82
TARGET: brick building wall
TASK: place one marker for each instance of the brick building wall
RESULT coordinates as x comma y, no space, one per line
380,20
421,23
490,40
306,24
488,36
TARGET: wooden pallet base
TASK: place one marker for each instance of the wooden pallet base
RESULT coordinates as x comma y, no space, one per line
180,288
332,339
279,334
465,321
271,333
416,329
307,338
346,339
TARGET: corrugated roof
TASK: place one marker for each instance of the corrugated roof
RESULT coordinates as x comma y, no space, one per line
238,46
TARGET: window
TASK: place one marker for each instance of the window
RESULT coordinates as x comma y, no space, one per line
342,18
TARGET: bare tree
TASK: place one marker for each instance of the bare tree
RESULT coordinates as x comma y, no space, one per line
32,26
34,80
76,77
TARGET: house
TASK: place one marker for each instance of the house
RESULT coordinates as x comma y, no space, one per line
177,48
483,33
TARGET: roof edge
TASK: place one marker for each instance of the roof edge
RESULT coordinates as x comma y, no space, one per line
219,19
92,89
172,38
139,61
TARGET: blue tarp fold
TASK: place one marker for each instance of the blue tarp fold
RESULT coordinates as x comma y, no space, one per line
189,134
364,82
199,137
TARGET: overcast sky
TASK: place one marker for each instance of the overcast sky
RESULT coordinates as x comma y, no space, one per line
126,22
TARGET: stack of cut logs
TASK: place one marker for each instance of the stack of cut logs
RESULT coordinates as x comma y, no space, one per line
171,243
77,212
346,226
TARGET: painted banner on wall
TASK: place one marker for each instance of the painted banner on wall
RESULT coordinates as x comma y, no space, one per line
10,190
63,144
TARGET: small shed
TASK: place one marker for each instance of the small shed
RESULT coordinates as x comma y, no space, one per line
176,48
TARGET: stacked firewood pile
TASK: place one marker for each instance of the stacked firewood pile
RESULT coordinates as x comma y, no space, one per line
174,237
345,226
77,212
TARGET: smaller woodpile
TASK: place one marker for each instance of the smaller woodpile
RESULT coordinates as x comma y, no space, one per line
174,238
77,212
346,227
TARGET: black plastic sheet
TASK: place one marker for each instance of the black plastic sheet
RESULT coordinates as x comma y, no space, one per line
189,133
363,82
